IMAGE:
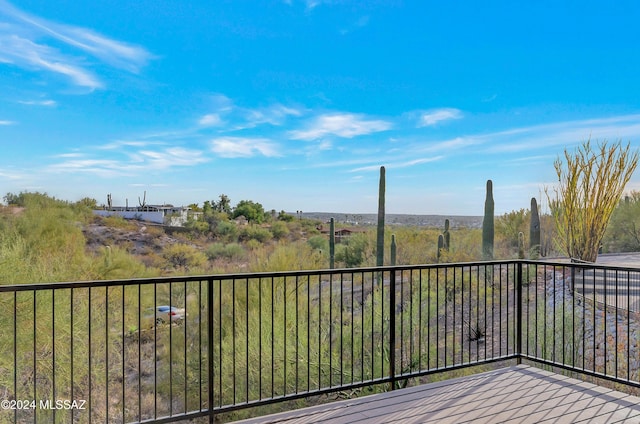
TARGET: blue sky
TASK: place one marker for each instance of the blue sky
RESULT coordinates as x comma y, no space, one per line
296,104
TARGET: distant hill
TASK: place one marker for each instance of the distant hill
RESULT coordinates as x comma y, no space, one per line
435,221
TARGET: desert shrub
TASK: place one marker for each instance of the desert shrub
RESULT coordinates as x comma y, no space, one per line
352,251
226,230
255,233
183,256
279,230
233,251
319,243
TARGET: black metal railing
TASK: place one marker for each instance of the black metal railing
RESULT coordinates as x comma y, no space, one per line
102,352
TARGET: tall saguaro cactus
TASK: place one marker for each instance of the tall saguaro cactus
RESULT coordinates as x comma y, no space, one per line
488,231
380,234
332,244
446,235
534,230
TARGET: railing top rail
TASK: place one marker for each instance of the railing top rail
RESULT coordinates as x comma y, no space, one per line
299,273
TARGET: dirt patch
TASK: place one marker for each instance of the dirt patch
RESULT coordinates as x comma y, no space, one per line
137,238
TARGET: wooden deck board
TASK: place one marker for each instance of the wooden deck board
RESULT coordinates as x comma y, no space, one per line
519,394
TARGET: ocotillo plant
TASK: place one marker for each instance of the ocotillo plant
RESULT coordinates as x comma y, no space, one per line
534,231
332,244
393,249
488,231
380,234
446,235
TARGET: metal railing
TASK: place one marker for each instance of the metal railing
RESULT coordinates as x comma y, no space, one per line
101,352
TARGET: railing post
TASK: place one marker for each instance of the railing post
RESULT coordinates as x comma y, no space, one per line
392,327
519,309
210,377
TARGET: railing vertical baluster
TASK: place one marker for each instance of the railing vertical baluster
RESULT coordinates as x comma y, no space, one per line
106,351
170,350
309,330
616,322
297,321
519,312
53,348
362,280
341,344
210,347
124,379
89,372
284,336
353,356
604,320
420,320
331,330
373,355
155,351
453,300
272,337
429,318
199,345
35,370
628,325
184,347
140,353
15,353
392,327
246,332
259,338
234,338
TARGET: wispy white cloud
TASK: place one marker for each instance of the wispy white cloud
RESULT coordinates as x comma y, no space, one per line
397,165
173,156
274,115
210,120
236,147
346,125
433,117
48,103
127,162
4,122
27,41
119,144
565,134
361,22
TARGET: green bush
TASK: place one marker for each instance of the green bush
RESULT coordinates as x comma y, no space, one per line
319,243
255,233
232,251
183,256
226,230
279,230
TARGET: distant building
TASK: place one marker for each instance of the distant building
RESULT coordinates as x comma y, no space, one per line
160,214
340,234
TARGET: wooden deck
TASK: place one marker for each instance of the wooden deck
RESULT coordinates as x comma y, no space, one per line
518,394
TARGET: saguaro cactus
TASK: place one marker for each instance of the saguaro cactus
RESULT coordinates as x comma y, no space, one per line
488,231
446,235
440,246
534,231
520,245
393,249
143,202
380,234
332,244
